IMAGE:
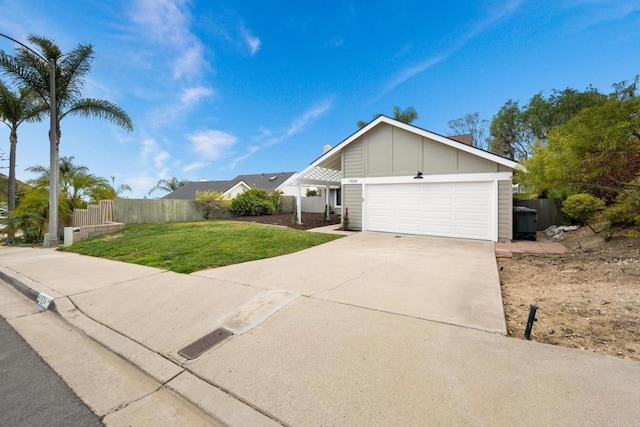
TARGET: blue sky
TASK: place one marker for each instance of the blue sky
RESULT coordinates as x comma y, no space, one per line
217,89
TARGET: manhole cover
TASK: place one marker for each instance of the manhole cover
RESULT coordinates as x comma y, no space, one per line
203,344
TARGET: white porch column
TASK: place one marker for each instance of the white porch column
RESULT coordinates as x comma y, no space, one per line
326,202
299,202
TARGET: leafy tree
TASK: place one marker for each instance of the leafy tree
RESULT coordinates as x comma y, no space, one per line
596,151
16,108
510,137
72,68
168,185
108,191
471,124
542,114
312,192
408,115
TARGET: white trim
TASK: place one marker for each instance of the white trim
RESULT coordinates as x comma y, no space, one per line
238,184
463,177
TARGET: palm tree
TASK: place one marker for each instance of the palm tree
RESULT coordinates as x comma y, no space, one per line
31,70
168,185
76,184
14,110
408,115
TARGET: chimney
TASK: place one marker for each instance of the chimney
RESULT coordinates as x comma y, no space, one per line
326,148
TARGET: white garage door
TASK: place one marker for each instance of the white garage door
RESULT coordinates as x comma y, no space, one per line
453,209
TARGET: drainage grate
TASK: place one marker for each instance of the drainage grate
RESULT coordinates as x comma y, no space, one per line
203,344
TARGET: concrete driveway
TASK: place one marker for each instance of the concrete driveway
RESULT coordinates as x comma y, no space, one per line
445,280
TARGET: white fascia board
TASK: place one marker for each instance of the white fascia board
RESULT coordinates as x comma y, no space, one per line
292,180
463,177
238,184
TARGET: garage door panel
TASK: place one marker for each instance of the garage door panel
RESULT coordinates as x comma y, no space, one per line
439,209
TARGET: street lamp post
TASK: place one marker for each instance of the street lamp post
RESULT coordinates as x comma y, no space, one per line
50,238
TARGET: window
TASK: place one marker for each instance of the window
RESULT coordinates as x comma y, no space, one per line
338,197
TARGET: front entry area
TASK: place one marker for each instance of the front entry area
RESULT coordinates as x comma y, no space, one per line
446,209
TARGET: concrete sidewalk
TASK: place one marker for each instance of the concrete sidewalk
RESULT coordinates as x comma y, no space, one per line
319,357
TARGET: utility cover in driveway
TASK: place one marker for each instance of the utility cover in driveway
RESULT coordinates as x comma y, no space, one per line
203,344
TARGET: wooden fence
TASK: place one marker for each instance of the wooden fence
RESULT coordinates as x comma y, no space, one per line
94,214
154,211
549,211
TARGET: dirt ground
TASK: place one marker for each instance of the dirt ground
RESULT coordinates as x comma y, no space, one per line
309,220
588,298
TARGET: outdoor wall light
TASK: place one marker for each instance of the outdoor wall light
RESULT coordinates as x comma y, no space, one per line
418,175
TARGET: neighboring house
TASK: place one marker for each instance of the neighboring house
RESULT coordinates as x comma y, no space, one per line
399,178
231,188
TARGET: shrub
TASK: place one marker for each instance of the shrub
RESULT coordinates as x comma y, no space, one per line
626,210
276,199
312,192
209,203
252,202
582,207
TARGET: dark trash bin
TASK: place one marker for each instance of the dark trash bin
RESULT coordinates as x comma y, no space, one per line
525,223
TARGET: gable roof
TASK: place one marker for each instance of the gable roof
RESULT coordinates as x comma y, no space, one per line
331,159
188,190
265,181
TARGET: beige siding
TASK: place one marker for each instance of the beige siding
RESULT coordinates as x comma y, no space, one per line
505,210
469,163
406,152
353,160
352,200
391,151
378,149
503,168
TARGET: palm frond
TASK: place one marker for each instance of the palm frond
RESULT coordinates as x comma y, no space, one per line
102,109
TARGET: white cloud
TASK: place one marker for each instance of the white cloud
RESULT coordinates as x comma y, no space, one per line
152,151
194,94
212,144
251,152
494,14
194,166
300,123
167,23
252,42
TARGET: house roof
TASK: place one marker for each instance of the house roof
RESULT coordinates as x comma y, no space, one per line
332,159
466,138
188,190
265,181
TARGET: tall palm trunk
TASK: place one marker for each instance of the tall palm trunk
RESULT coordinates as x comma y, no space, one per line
11,193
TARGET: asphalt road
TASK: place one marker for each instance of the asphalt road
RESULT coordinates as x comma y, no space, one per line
31,393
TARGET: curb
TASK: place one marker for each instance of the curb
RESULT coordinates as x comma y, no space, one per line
208,398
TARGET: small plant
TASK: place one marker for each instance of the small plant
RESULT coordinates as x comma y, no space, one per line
312,192
325,214
253,202
583,208
295,216
211,203
345,220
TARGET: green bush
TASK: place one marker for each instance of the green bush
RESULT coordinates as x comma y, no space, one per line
626,210
312,192
253,202
582,207
276,199
211,203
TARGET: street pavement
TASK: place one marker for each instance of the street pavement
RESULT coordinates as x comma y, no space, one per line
32,394
371,329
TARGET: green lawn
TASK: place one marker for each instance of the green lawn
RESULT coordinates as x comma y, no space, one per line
192,246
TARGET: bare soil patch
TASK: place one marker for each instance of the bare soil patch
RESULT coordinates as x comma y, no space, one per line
309,220
588,298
